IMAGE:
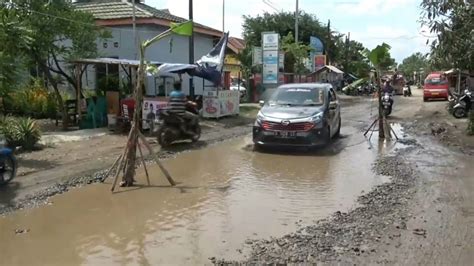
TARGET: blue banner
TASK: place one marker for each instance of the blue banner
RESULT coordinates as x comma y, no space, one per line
317,49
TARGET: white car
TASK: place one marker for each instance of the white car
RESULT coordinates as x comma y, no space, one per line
241,88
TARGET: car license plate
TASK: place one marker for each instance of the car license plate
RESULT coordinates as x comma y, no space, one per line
386,103
285,134
435,93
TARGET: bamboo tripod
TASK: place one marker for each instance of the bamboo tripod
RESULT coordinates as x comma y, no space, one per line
387,128
119,165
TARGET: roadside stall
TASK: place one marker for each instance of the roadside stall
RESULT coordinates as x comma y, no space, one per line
219,103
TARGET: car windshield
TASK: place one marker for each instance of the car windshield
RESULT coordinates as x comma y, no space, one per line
436,81
297,96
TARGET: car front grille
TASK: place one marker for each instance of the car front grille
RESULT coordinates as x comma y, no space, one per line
300,126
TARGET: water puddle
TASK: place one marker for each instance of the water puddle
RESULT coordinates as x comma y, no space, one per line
226,195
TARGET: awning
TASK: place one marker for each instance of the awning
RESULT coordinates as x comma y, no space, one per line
330,68
112,61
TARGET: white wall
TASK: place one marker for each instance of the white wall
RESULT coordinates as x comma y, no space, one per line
160,51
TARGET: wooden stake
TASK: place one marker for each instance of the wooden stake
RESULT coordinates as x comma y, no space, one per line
163,169
112,168
120,166
143,162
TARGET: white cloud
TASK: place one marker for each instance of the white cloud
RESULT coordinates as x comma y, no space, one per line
402,41
372,7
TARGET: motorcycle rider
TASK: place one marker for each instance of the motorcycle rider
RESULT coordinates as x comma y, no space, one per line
177,106
387,88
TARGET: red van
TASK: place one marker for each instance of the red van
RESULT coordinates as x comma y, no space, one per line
436,86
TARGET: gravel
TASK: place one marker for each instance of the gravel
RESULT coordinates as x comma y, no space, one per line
360,231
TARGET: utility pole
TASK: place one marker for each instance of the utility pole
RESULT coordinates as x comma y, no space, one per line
296,22
328,42
223,16
134,23
191,49
348,40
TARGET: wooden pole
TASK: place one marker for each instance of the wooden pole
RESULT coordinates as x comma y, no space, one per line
78,92
112,168
144,164
163,169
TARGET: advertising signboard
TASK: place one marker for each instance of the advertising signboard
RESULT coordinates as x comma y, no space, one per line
319,61
270,43
256,56
317,49
281,59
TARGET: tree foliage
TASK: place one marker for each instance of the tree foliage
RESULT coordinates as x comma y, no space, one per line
352,59
14,38
453,23
295,54
380,57
414,63
58,34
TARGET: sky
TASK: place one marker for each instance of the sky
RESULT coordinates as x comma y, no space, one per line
370,22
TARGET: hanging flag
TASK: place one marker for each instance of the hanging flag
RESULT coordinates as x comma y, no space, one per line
185,28
210,65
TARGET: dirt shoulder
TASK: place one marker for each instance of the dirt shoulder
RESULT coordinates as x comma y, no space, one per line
424,215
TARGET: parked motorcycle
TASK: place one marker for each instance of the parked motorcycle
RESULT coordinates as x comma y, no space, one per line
171,130
463,105
8,166
406,91
387,104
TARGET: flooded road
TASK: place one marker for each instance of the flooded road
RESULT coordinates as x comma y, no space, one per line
226,194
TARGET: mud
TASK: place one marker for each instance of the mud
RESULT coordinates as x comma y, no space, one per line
33,187
226,194
235,205
344,234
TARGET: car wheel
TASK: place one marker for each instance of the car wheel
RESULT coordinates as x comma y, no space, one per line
327,138
425,99
459,112
338,132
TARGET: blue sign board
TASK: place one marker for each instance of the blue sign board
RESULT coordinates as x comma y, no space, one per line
317,48
316,44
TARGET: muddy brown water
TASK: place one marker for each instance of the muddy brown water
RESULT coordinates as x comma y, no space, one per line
226,194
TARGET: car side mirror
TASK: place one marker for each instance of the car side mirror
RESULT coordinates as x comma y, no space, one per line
332,105
261,103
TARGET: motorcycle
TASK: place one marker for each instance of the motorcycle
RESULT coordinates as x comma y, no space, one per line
170,127
463,105
8,166
406,91
387,103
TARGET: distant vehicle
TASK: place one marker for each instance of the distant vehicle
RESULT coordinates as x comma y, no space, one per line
406,91
303,115
8,164
236,87
436,86
464,105
170,129
387,104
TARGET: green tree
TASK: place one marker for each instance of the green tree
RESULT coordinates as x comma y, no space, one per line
453,23
295,53
14,38
284,23
378,58
413,63
59,34
352,59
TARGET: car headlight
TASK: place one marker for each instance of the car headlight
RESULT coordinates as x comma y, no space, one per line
317,118
260,117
